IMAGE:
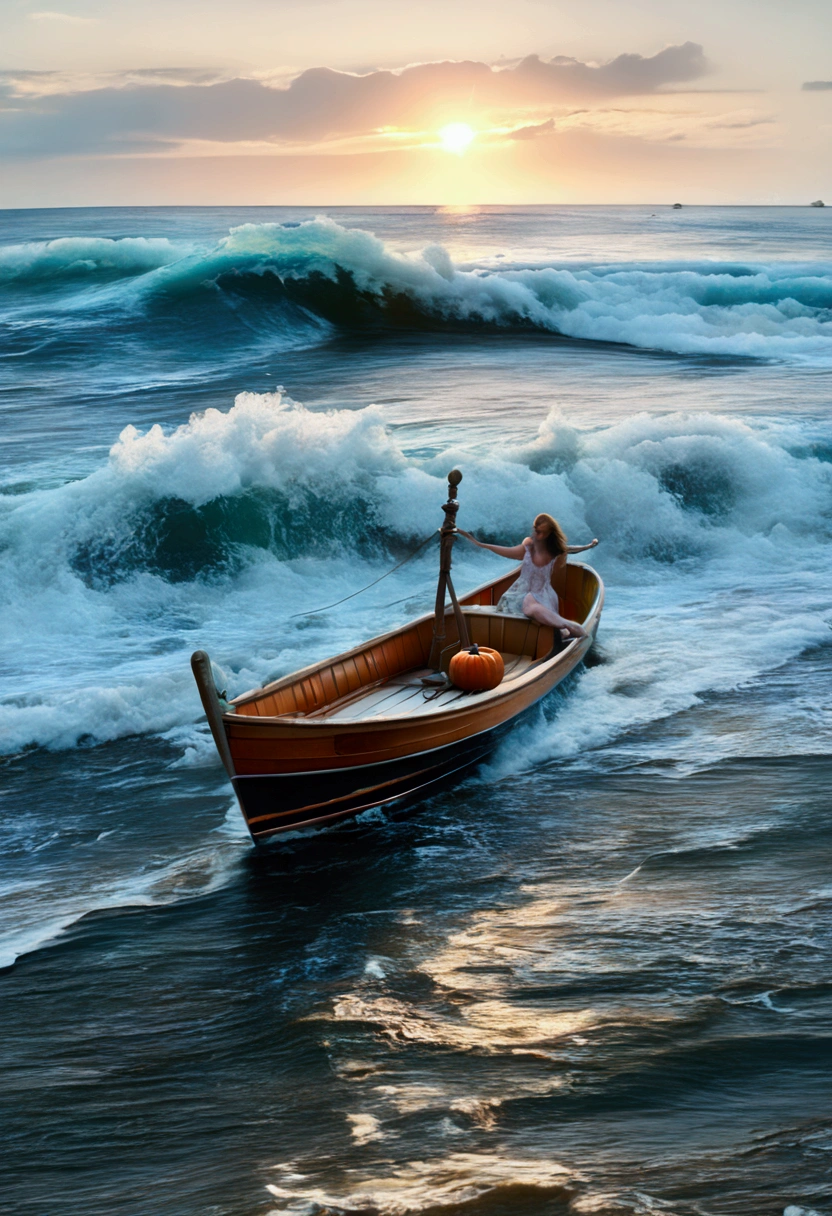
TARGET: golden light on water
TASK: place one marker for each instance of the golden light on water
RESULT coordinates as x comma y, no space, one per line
456,137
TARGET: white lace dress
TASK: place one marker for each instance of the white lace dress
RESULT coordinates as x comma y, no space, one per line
534,579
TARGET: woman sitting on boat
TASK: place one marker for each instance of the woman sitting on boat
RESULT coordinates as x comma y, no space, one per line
533,595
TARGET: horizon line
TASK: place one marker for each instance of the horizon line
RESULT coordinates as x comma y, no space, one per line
365,206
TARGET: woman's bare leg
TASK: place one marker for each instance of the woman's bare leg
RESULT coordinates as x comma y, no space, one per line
544,616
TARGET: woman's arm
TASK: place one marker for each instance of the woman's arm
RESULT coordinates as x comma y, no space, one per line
580,548
515,552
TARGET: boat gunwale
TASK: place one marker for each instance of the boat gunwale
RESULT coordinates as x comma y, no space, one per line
253,694
494,697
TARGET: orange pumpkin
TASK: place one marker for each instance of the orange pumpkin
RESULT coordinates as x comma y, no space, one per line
476,669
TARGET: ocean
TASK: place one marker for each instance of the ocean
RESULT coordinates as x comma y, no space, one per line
594,977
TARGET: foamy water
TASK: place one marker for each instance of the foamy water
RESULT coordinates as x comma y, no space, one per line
317,270
587,979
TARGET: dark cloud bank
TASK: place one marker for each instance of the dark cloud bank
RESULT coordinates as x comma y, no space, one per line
318,104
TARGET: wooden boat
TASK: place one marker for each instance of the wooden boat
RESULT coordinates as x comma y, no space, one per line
380,724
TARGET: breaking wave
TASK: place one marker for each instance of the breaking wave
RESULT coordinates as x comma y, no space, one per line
218,532
310,276
86,258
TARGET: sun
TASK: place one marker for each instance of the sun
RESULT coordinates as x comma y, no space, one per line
456,137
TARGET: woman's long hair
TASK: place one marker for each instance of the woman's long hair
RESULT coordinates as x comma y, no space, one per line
555,538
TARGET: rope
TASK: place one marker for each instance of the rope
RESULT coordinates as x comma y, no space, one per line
361,590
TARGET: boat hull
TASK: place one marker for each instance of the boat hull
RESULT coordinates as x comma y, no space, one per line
381,765
362,730
273,803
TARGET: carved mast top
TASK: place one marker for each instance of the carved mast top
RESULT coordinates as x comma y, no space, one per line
452,505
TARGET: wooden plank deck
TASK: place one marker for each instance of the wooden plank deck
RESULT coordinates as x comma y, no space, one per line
406,696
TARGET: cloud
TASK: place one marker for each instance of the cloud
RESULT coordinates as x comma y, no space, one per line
64,18
735,129
532,131
742,124
627,74
319,104
39,84
816,86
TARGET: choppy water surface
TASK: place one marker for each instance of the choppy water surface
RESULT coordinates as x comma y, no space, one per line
592,979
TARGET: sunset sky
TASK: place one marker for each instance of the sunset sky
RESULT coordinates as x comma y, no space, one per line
327,102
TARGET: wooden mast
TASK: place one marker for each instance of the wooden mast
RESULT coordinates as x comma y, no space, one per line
447,534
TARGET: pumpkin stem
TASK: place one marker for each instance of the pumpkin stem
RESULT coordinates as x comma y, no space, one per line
473,648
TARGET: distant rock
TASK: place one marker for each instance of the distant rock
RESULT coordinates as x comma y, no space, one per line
818,203
678,206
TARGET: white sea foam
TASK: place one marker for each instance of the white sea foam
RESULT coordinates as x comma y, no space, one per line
264,440
86,257
714,544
